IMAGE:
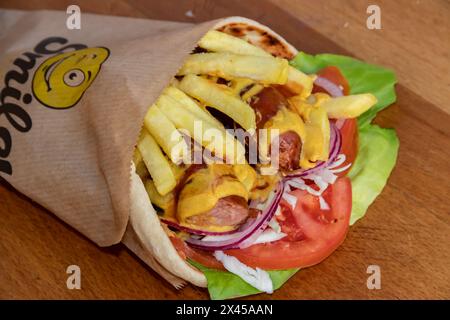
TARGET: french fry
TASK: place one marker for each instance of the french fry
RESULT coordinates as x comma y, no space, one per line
349,106
299,83
221,98
192,106
267,70
157,164
141,169
316,142
163,202
316,99
317,139
221,42
257,88
165,134
226,147
239,84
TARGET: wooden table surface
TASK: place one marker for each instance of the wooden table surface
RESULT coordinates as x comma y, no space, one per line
406,231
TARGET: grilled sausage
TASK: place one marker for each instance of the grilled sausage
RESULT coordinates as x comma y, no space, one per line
228,211
266,105
290,147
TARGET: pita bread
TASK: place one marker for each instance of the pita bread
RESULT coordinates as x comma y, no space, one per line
131,240
144,223
258,35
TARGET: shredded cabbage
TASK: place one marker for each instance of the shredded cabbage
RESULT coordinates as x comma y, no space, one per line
257,278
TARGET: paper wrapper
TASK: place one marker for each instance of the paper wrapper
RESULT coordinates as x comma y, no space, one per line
69,146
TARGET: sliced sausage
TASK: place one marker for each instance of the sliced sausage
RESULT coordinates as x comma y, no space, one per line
289,151
229,211
266,105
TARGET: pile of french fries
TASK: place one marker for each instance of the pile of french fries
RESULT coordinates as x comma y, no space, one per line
163,146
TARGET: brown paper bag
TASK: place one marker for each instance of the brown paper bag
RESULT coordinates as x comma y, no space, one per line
69,122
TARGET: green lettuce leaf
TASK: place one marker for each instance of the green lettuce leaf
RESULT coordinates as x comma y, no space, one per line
376,158
362,78
226,285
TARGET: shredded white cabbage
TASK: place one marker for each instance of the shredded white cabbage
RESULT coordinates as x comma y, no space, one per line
273,223
269,235
340,159
323,178
292,200
257,278
323,204
278,212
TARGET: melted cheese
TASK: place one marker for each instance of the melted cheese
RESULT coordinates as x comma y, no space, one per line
264,185
246,175
205,187
317,129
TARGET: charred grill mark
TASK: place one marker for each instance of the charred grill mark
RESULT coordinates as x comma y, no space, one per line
223,81
198,50
245,89
265,40
227,121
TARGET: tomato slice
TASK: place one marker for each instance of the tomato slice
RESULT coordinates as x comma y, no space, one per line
317,232
333,74
349,133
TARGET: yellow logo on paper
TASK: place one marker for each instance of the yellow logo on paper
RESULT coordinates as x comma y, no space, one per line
61,81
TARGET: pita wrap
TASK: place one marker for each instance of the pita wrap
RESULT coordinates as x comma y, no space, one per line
146,236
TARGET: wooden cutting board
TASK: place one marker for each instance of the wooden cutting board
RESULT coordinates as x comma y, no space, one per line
406,232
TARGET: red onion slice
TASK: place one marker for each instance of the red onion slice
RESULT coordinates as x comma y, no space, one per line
255,227
335,148
179,227
333,89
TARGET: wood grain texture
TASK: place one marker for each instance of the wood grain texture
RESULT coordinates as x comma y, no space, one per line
414,38
406,231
